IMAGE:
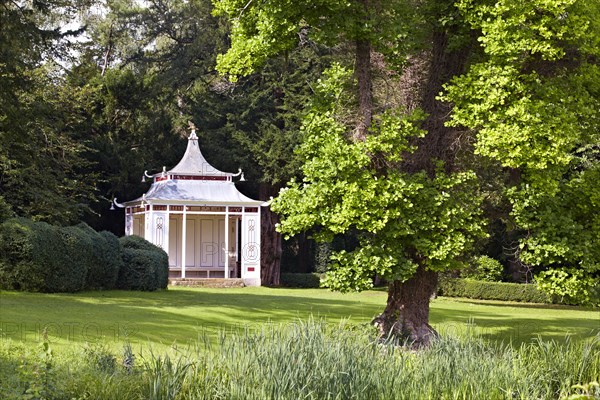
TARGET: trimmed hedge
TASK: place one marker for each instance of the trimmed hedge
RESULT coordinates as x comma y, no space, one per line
456,287
38,257
105,258
145,266
296,280
19,268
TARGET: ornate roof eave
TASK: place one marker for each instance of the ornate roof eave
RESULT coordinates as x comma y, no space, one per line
178,191
138,201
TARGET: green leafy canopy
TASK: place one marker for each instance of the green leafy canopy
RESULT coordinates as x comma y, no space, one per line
402,219
534,100
261,30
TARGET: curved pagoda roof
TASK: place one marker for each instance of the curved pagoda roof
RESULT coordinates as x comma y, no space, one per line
194,181
193,162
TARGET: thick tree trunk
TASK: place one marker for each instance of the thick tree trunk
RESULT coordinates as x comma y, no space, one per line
406,316
444,143
365,92
270,248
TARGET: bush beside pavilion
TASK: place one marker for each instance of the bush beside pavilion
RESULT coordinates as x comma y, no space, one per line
39,257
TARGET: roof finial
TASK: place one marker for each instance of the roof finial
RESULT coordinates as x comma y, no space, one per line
193,128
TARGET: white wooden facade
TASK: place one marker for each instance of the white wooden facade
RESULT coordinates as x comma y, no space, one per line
197,202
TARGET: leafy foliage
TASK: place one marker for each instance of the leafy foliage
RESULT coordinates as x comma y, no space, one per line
145,266
41,155
534,101
484,268
570,286
402,218
263,30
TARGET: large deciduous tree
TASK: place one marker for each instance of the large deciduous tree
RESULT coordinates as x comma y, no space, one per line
383,171
410,225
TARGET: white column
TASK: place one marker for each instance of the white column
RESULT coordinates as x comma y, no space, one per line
242,243
183,240
226,249
259,241
128,222
166,228
149,220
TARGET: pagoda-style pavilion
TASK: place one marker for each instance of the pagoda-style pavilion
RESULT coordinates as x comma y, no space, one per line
196,214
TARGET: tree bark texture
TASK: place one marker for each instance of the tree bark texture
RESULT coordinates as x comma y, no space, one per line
270,248
365,88
406,315
441,142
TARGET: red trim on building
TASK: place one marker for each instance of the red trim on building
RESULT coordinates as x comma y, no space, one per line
176,208
235,209
250,269
161,178
200,178
206,209
160,208
251,209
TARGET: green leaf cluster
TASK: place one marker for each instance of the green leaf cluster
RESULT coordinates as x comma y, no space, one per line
484,268
261,30
534,100
403,220
570,285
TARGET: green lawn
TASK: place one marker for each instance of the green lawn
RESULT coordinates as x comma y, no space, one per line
179,315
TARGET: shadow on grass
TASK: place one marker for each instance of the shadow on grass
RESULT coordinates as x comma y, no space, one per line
182,315
160,317
521,305
509,327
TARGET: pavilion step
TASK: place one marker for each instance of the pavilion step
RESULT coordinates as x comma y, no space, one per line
207,282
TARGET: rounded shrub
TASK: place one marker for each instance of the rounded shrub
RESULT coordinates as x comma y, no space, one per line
104,258
18,270
70,262
145,266
36,256
113,260
138,243
484,268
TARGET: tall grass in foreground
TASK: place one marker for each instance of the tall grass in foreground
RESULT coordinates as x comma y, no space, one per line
310,360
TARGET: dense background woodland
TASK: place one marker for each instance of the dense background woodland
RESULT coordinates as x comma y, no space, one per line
413,137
